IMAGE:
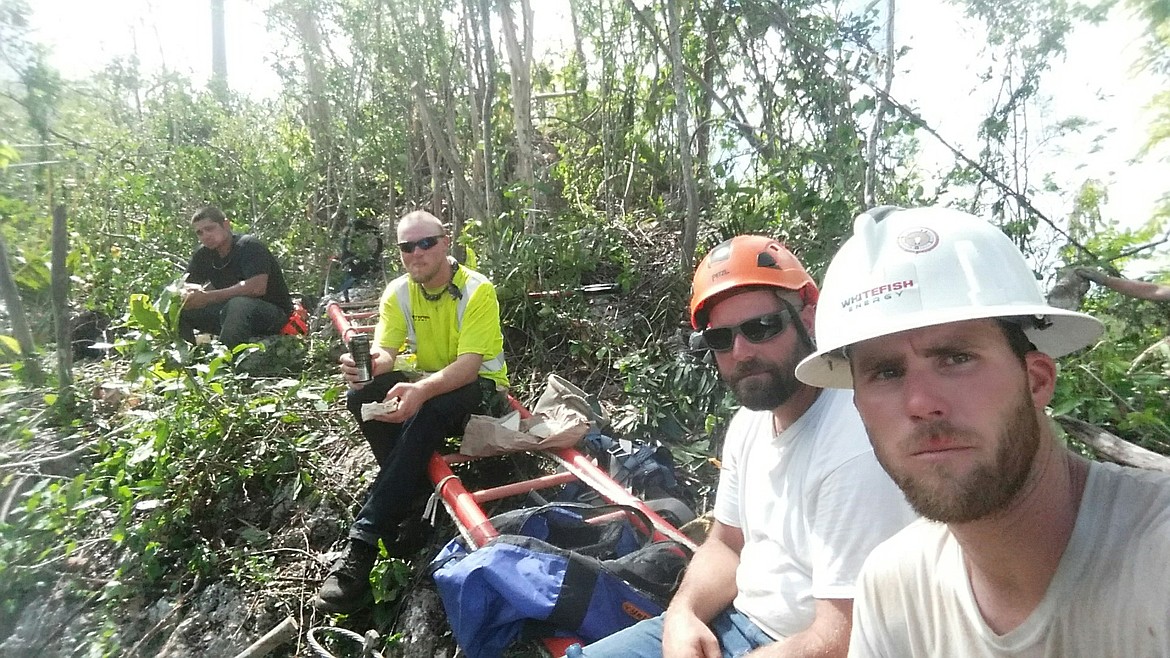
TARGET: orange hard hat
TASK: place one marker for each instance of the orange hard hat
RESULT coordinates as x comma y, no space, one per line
744,261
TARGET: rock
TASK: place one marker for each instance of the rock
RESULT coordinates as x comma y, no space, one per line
52,619
423,626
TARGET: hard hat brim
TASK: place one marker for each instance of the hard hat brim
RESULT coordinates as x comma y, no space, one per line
1068,332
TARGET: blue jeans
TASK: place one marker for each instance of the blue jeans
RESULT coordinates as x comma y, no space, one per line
403,450
737,636
237,320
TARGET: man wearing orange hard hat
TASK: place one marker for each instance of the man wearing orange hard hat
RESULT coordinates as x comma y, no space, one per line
801,499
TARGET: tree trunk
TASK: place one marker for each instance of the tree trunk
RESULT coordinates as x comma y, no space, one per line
436,205
437,137
712,26
20,329
520,61
579,48
491,194
59,279
737,116
869,192
475,84
219,81
1113,447
460,203
683,136
317,108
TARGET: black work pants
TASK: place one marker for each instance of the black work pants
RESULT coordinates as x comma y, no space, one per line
237,320
403,450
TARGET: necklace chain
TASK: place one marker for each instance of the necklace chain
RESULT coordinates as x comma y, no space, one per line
449,288
432,297
225,263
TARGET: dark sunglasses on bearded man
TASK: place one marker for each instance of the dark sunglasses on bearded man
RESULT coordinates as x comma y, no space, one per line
755,330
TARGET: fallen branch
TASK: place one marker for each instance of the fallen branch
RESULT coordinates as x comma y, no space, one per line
13,492
52,458
1115,448
1146,353
283,632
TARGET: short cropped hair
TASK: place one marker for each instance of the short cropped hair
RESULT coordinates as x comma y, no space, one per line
1017,340
209,212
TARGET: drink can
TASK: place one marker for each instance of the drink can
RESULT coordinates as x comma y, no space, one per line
359,349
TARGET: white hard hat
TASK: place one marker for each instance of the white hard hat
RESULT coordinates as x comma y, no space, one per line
905,269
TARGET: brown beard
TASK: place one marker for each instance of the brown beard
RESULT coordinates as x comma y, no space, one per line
779,386
987,489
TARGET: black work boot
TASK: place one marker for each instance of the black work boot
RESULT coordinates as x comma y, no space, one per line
347,587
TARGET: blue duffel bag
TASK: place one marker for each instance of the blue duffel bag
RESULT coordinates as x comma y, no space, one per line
553,572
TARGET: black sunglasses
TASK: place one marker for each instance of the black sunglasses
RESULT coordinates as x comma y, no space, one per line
756,330
424,244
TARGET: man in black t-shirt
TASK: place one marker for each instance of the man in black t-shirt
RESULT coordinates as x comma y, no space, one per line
234,285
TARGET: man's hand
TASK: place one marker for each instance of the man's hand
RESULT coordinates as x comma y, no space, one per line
410,396
378,360
1096,276
195,296
686,636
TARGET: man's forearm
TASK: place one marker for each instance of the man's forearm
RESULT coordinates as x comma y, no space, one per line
1147,290
708,587
253,287
460,372
826,637
1140,289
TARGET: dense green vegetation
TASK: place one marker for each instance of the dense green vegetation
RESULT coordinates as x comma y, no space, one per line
162,468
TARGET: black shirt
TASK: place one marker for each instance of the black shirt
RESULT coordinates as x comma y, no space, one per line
247,258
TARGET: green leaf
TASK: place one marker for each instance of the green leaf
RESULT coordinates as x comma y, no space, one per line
33,275
144,315
9,347
7,155
141,454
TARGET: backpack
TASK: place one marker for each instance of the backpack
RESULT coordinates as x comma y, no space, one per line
645,468
561,568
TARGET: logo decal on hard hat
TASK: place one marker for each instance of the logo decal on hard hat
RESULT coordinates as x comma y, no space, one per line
918,240
877,294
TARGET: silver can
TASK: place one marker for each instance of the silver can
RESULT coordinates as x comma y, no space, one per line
359,349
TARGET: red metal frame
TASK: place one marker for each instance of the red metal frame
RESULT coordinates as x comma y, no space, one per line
464,506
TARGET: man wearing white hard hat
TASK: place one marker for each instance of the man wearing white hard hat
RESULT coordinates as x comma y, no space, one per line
936,322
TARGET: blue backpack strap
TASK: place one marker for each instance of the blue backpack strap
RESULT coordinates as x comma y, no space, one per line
568,526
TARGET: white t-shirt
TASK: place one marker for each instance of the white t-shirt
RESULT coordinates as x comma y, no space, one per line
811,504
1109,597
